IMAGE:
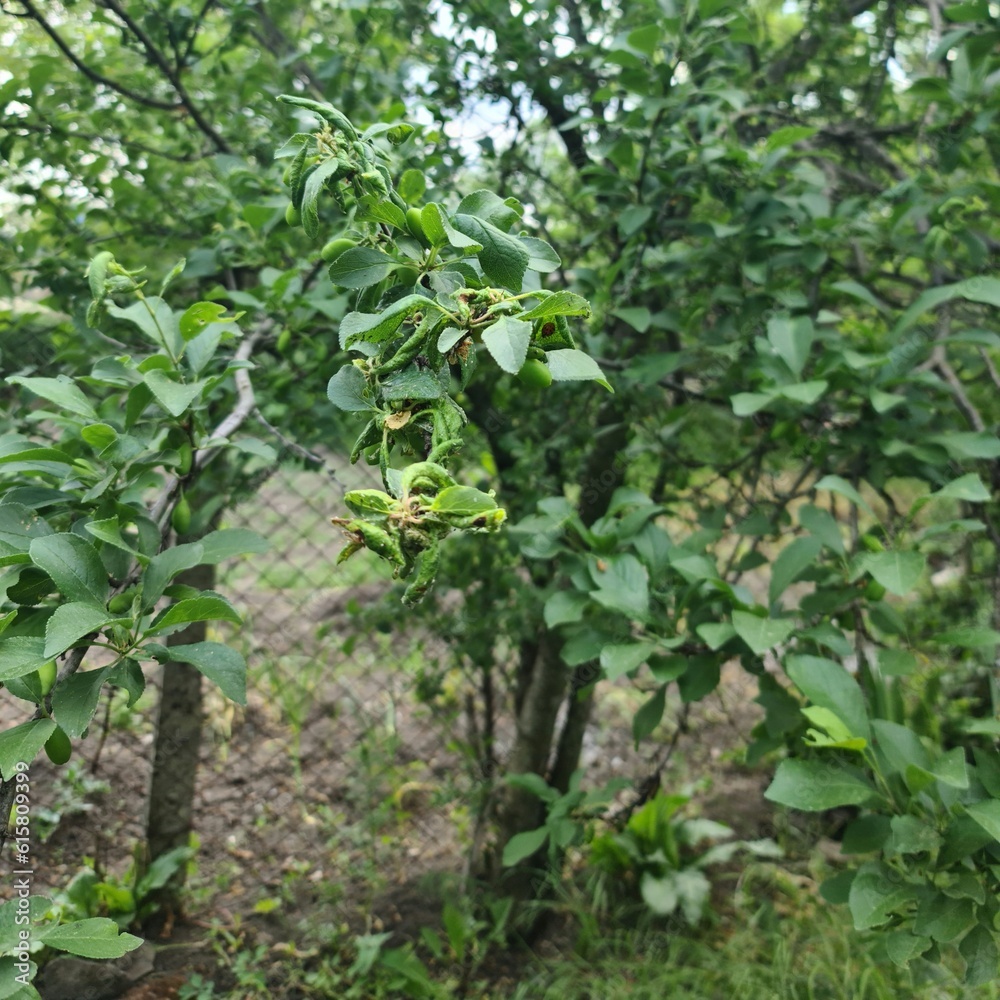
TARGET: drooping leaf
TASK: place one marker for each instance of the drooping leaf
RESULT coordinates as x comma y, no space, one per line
21,744
812,786
74,701
74,565
71,622
761,634
221,664
507,340
95,937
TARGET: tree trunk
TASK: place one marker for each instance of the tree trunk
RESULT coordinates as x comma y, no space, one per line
170,816
546,686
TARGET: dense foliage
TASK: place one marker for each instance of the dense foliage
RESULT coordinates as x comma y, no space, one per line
770,225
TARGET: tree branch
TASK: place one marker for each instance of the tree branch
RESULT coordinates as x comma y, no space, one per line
172,74
45,128
91,74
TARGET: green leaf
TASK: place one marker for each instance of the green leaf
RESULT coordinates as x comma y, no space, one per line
154,317
962,445
62,391
617,660
942,918
164,566
761,634
558,304
18,526
74,565
377,210
649,715
878,892
793,560
463,501
978,289
174,397
829,685
911,836
806,393
502,257
564,607
70,623
623,585
982,959
439,230
836,484
813,786
196,317
896,662
745,404
637,317
20,744
865,835
411,186
221,664
968,638
375,328
490,207
507,340
523,845
823,525
207,607
900,746
74,701
20,655
788,136
902,946
227,543
791,339
987,815
360,267
347,390
898,572
969,487
541,257
716,634
572,366
96,937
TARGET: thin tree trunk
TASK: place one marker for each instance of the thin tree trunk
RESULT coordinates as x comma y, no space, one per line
170,816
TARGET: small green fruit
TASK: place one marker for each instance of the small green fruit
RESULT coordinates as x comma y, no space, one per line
180,517
58,747
535,373
186,453
332,250
293,216
872,544
47,676
407,276
284,339
121,604
416,226
874,591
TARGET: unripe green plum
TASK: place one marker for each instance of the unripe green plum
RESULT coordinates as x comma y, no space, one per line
332,250
416,226
535,373
180,517
58,747
293,216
